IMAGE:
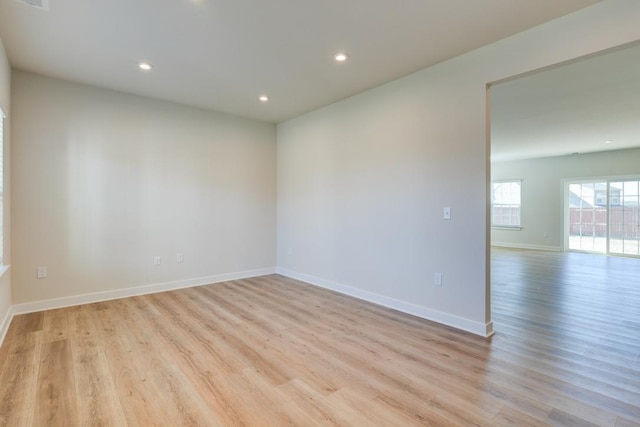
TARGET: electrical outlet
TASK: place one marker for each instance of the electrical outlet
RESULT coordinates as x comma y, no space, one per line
42,272
437,279
156,260
179,258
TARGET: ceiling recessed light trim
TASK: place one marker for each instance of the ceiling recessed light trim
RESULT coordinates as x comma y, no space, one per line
609,141
145,66
341,56
264,98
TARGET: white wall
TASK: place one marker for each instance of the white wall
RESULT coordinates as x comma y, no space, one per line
542,192
103,181
5,104
362,183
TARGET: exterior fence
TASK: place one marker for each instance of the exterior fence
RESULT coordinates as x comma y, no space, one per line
624,222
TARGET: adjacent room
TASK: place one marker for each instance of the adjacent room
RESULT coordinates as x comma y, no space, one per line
565,226
282,213
566,139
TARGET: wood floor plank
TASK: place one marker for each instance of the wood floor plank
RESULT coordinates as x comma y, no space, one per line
623,422
509,416
360,409
56,402
55,325
181,403
98,400
18,387
561,418
198,360
142,402
25,323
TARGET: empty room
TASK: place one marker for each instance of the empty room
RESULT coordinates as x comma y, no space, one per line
269,213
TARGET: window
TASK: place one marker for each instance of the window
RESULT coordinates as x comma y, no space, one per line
505,204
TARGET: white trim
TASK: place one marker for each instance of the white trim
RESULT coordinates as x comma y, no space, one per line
4,326
477,328
526,246
50,304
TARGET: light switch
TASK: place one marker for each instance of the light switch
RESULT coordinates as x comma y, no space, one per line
446,213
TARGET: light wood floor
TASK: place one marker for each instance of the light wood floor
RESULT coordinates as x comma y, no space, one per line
272,351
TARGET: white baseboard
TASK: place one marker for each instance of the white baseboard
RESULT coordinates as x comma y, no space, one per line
526,246
50,304
4,326
477,328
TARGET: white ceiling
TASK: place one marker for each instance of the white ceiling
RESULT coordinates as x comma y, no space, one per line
222,54
573,108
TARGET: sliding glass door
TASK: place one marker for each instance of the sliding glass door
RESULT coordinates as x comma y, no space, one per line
624,237
588,216
603,216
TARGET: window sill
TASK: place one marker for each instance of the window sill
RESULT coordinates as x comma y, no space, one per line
503,227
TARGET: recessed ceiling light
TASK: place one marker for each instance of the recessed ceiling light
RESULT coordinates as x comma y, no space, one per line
40,4
264,98
145,66
608,141
341,57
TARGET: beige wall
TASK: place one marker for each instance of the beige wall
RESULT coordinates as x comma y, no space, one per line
103,181
362,183
5,104
542,192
